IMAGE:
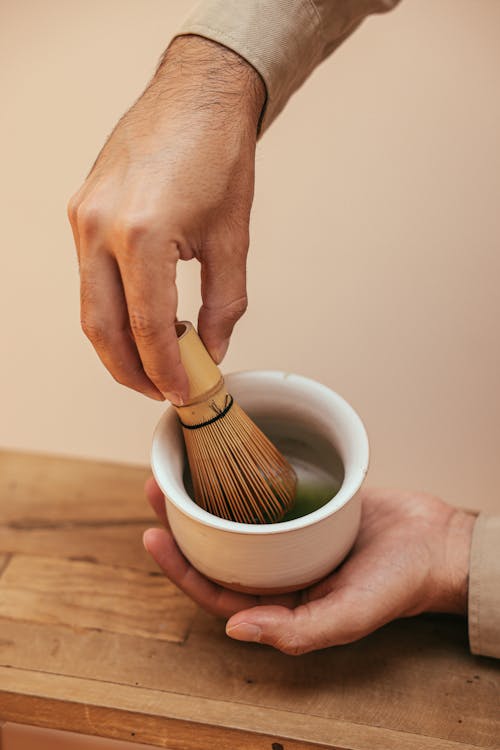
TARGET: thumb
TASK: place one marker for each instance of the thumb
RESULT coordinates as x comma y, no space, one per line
224,295
329,621
292,631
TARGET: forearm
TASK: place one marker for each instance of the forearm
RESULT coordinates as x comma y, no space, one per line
284,40
208,77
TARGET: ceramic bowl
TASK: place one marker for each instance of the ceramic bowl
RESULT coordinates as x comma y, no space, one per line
323,437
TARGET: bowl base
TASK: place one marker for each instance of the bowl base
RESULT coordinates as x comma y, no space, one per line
264,591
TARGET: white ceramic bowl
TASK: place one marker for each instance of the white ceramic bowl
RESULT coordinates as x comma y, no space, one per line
318,430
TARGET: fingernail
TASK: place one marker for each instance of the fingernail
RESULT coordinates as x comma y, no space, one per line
156,396
244,631
219,352
174,398
144,543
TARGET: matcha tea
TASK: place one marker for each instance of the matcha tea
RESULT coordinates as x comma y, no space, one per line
310,497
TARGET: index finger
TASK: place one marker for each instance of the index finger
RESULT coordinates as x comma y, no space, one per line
148,274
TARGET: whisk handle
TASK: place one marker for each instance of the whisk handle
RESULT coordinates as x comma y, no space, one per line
207,392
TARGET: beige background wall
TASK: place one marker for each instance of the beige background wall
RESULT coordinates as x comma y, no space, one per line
375,261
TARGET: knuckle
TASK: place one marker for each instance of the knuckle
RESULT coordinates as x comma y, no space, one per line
224,317
233,310
133,228
292,646
87,291
89,218
239,306
72,208
422,505
94,330
143,327
236,233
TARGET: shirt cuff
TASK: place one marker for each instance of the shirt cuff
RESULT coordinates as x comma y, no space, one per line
284,40
484,587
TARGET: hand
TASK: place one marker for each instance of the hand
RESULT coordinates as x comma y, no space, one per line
173,182
411,556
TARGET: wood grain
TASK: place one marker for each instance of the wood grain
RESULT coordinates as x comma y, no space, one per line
74,509
84,595
93,640
386,680
110,543
51,489
181,722
4,561
26,737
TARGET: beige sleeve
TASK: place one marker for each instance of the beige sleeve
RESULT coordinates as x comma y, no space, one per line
284,40
484,587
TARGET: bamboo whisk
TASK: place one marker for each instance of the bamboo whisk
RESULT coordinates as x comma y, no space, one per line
237,473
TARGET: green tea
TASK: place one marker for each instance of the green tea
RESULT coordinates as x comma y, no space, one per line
310,496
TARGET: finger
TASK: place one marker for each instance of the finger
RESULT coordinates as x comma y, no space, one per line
148,274
224,295
82,212
156,500
105,322
72,211
213,598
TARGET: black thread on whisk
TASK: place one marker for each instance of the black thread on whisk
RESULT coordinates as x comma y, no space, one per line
210,421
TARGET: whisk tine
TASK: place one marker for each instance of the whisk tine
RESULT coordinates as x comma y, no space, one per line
237,473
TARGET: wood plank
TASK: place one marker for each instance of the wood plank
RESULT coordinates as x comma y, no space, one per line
181,722
411,685
412,677
26,737
4,561
72,508
84,595
415,675
43,490
110,543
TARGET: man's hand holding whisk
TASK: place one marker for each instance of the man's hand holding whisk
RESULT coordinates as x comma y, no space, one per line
173,182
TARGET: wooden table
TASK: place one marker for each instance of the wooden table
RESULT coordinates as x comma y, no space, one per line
94,640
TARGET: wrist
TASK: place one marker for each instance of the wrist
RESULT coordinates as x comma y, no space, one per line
209,79
453,577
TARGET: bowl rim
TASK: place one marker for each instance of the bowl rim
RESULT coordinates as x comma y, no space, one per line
338,501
